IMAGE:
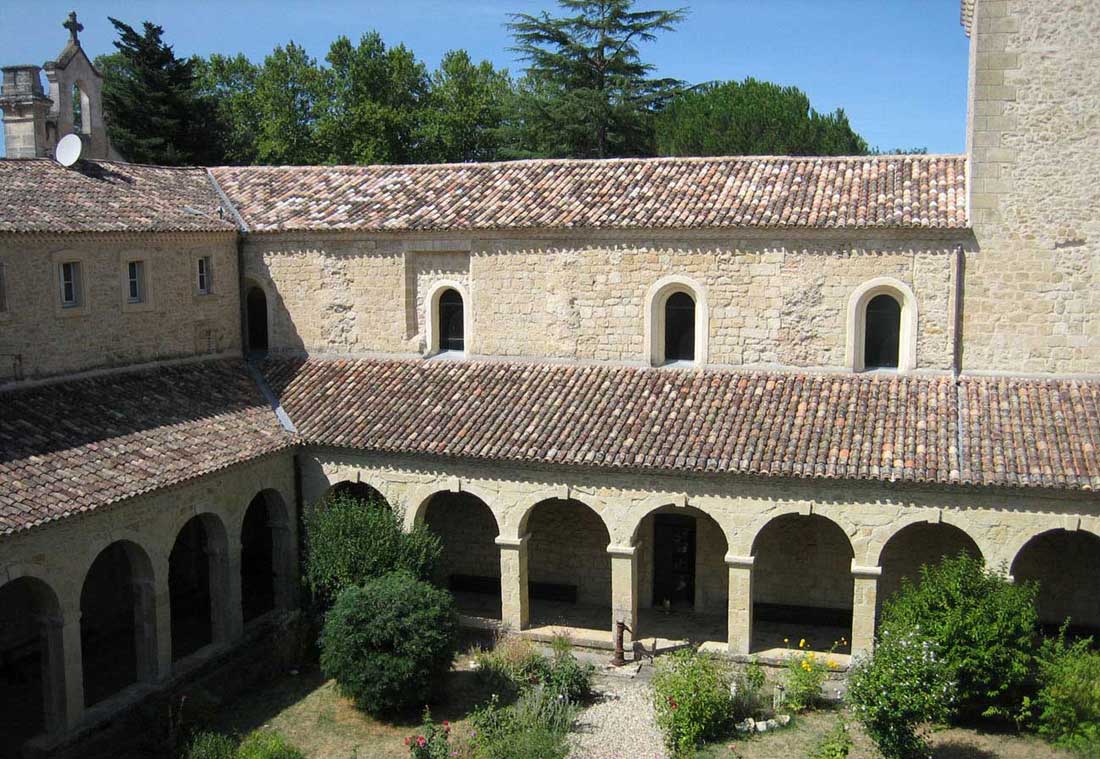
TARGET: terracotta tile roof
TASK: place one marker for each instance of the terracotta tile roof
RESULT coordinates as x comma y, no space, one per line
74,446
867,427
676,193
39,195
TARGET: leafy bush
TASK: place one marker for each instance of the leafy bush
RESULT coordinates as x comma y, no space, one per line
535,727
516,664
388,643
748,684
983,626
207,745
895,692
835,744
692,699
805,674
1067,707
266,744
350,541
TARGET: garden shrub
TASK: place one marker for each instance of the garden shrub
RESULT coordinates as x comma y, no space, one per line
267,744
432,741
350,541
516,664
389,642
566,676
898,690
1066,709
747,691
692,699
835,744
983,625
535,727
806,672
207,745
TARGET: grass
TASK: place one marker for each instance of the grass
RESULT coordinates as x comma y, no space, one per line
806,730
313,716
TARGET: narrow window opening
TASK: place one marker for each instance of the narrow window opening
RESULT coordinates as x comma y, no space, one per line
451,327
205,281
680,327
70,284
3,289
78,110
882,333
135,282
256,305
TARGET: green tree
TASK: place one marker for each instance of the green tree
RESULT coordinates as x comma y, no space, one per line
229,83
464,111
372,102
289,92
153,109
752,118
591,95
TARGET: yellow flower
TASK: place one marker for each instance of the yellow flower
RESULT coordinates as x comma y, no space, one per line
802,643
832,664
786,640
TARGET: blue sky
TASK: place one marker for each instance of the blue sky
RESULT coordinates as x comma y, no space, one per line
897,67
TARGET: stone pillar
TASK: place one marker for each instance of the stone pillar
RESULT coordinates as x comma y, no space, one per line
515,610
62,671
624,592
284,555
226,615
864,600
153,629
740,604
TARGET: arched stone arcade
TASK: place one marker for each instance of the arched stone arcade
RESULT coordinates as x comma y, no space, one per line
470,561
198,583
916,545
117,621
1066,564
32,664
267,552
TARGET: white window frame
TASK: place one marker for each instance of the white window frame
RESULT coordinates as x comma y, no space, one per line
857,323
655,300
75,283
204,275
431,319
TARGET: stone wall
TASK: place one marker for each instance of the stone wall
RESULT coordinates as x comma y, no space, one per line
568,546
1033,281
467,529
39,338
772,300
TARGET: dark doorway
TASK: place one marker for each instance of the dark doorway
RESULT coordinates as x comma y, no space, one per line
24,675
883,333
108,617
452,335
674,561
257,561
256,304
679,327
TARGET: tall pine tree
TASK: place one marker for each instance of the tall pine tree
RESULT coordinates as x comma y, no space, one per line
153,110
589,93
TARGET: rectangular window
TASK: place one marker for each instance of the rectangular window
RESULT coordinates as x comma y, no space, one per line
70,284
3,290
205,276
135,282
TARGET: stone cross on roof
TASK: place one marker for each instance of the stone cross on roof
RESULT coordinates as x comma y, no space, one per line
73,26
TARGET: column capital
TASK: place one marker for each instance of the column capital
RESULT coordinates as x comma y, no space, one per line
627,552
866,572
514,544
744,562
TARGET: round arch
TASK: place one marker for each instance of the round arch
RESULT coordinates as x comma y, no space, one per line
267,556
469,565
431,316
32,679
656,299
567,558
364,491
198,585
917,544
1066,564
681,554
257,312
117,621
857,322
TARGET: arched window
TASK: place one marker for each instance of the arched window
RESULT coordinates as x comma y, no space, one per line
256,313
82,114
680,327
882,332
451,328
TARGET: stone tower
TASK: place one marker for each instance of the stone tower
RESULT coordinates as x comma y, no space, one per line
1033,277
35,121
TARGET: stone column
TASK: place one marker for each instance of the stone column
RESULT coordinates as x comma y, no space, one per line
226,615
153,626
740,604
515,610
62,671
284,556
863,607
624,592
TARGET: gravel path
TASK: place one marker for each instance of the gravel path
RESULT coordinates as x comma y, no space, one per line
620,724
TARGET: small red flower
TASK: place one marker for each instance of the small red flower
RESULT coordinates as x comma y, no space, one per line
408,740
420,741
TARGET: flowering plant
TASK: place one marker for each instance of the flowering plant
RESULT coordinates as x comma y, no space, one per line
806,673
432,741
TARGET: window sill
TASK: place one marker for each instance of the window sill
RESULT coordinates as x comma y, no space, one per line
679,364
447,356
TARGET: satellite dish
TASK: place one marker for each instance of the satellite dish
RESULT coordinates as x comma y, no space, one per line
68,150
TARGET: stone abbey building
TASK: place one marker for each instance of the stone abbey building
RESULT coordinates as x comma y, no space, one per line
731,400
